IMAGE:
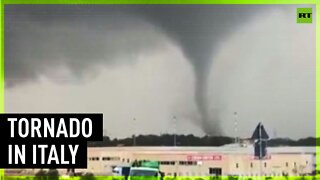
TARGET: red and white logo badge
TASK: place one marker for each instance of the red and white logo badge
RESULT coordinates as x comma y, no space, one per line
204,157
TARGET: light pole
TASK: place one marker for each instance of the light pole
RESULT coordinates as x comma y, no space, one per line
235,127
134,136
106,132
260,150
175,131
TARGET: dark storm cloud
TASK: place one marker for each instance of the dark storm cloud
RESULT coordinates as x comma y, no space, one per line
38,38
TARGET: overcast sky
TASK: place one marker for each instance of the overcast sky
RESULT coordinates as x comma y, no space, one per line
151,63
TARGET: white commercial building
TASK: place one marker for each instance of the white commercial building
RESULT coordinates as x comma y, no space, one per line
204,161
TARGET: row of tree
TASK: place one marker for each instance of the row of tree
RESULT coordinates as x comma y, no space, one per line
191,140
53,174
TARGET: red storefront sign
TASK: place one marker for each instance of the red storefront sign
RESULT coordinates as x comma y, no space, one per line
204,157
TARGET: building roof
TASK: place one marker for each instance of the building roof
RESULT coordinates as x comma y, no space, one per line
229,149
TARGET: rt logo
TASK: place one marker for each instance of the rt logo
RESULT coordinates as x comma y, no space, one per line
304,15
